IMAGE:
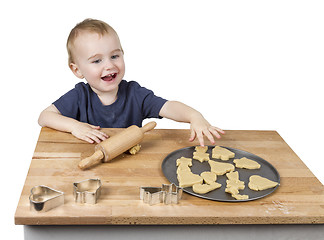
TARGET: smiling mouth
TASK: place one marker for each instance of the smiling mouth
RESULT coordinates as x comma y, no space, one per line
109,77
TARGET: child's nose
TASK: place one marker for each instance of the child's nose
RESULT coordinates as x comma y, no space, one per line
109,65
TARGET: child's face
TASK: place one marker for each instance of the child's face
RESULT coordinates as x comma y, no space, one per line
100,60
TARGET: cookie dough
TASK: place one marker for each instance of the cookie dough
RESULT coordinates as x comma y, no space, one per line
205,188
240,196
188,179
200,156
209,177
246,163
184,161
183,167
134,149
258,183
220,168
200,153
201,149
185,177
233,176
234,181
184,164
233,185
222,153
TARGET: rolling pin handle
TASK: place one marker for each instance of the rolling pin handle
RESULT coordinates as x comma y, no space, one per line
149,126
94,159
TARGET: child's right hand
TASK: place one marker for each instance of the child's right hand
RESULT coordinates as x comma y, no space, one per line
88,133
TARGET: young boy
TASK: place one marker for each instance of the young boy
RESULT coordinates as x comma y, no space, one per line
108,101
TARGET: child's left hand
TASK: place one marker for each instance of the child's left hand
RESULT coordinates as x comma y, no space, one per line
200,127
198,124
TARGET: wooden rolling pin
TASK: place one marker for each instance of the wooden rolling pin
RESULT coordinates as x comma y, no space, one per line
116,145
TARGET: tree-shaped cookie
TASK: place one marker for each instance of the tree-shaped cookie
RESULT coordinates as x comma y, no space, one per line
233,185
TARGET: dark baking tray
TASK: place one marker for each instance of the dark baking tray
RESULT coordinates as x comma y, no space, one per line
169,169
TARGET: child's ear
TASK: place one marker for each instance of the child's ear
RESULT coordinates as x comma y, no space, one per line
75,69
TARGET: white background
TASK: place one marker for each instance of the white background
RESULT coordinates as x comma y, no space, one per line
244,64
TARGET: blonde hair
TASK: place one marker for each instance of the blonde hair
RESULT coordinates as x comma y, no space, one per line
90,25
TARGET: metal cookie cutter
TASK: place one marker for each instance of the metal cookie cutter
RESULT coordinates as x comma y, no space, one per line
87,191
172,193
43,198
167,194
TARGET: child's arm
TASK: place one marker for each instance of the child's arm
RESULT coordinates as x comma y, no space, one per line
199,125
51,117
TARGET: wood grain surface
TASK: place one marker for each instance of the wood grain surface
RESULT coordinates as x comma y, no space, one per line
298,200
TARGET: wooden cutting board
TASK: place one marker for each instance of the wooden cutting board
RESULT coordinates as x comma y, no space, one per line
299,199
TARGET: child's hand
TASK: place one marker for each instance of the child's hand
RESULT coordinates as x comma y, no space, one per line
89,133
200,127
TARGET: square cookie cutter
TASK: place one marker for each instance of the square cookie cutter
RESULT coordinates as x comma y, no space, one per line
167,194
87,191
43,198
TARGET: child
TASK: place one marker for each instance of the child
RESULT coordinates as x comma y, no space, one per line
108,101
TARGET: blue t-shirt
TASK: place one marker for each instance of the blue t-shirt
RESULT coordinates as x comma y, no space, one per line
134,103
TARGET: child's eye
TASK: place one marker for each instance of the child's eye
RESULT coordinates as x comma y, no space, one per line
114,56
97,61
